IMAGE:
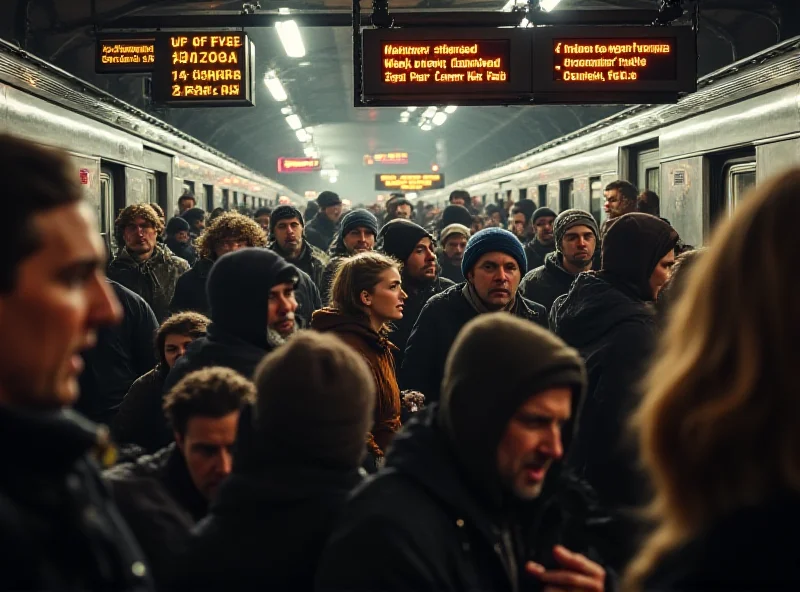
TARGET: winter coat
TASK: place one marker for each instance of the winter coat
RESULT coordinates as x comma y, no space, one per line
377,352
450,271
546,283
158,500
535,252
615,333
753,549
183,250
59,528
154,279
436,329
312,261
420,525
140,419
413,306
320,231
266,531
122,354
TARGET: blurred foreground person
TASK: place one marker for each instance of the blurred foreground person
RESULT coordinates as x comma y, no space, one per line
59,529
269,523
472,496
719,426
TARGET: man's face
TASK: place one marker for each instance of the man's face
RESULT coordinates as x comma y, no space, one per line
333,213
229,245
263,221
578,246
520,225
454,247
359,240
207,447
496,277
457,201
532,441
198,225
186,203
403,211
496,219
615,206
282,305
421,264
182,236
175,346
544,229
58,302
661,273
289,235
140,237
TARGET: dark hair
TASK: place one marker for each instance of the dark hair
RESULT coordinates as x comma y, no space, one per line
129,214
37,180
215,213
626,190
459,193
356,274
262,212
187,195
210,392
648,202
192,324
157,209
675,286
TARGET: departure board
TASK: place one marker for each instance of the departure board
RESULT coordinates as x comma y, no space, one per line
298,165
409,181
204,69
125,55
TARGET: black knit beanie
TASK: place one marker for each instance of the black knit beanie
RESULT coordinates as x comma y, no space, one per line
399,237
540,212
194,215
455,214
526,207
284,213
177,224
327,199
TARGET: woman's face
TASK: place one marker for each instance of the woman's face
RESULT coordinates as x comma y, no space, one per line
661,273
385,303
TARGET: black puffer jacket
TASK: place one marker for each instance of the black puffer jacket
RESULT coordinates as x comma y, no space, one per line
536,252
546,283
190,292
436,329
140,419
450,271
311,260
59,528
320,231
183,250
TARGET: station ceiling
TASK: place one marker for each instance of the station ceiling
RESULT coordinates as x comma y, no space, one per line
320,84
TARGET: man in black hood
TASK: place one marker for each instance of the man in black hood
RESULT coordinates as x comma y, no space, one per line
543,241
609,318
472,497
252,301
323,226
415,248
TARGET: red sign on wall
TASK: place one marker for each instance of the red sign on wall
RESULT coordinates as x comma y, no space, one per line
84,174
298,165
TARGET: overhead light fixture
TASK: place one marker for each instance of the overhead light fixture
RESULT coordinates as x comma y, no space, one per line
302,135
311,152
439,118
333,179
274,86
426,127
411,109
450,109
429,112
289,33
548,5
294,121
283,11
509,6
287,110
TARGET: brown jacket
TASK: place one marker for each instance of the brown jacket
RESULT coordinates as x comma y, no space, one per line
377,351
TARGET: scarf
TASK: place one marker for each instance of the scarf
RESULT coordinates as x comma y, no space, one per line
471,295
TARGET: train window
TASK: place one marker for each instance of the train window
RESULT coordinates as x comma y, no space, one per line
523,194
209,191
542,196
106,200
652,180
188,186
566,191
226,200
740,179
596,198
152,188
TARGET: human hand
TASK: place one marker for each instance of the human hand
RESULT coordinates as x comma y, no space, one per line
579,574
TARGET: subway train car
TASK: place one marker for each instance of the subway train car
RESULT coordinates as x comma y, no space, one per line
122,155
700,155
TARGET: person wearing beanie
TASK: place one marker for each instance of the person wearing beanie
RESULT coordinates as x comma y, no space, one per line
543,241
522,214
454,214
608,316
178,240
251,295
453,240
286,231
196,217
494,216
493,264
322,228
415,248
399,207
576,238
357,233
474,496
296,461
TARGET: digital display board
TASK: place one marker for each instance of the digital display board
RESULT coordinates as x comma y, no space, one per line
298,165
204,69
623,60
409,182
125,55
386,158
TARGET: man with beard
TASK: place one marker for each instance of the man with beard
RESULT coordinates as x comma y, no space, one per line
576,238
323,226
620,199
473,497
543,241
286,230
493,263
252,300
414,247
453,239
357,234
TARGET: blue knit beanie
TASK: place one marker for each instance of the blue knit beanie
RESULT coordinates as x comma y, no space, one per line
490,240
355,218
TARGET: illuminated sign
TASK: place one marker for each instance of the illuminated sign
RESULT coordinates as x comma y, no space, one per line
127,55
298,165
204,69
409,182
391,158
475,65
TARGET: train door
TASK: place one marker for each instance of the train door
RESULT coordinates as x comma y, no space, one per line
648,171
566,194
596,198
209,193
523,194
106,208
226,200
732,175
542,196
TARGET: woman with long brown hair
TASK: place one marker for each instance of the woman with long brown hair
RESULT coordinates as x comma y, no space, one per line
719,426
366,295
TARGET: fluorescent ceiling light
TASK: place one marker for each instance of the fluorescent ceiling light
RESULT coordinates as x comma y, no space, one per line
274,86
450,109
429,112
333,179
287,110
427,127
548,5
294,121
310,152
439,118
509,6
411,109
283,11
289,33
302,135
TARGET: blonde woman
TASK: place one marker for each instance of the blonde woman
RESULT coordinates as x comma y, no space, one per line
719,426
